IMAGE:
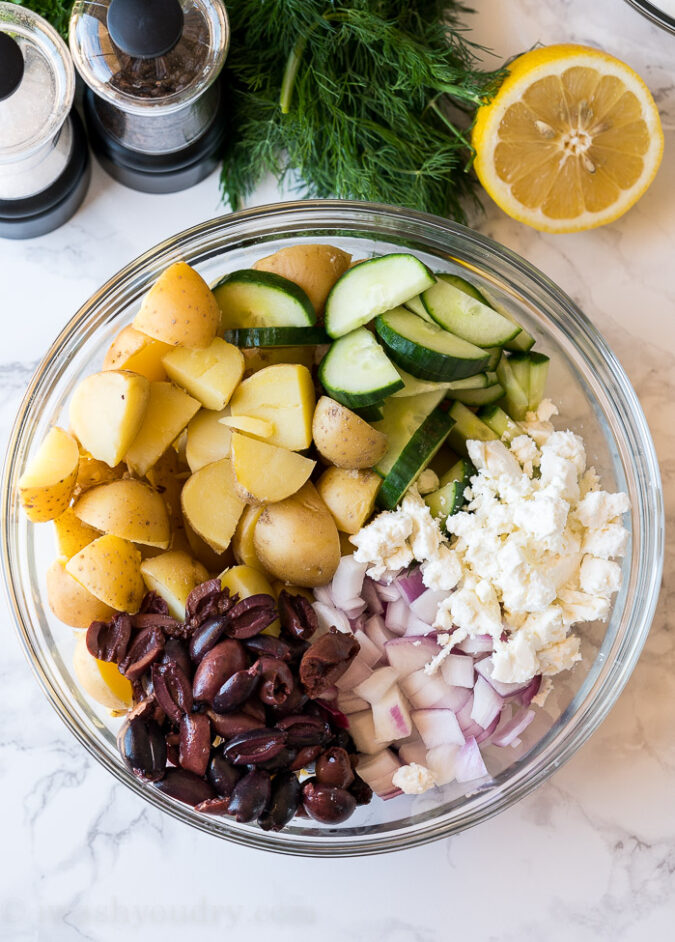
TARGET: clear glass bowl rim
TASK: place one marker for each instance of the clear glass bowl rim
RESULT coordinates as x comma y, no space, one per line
255,226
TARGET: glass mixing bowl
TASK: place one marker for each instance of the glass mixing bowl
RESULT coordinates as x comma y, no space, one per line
594,397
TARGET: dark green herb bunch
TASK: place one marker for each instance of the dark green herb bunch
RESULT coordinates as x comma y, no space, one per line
56,12
359,100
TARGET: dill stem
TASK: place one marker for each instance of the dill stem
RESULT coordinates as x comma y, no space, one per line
290,74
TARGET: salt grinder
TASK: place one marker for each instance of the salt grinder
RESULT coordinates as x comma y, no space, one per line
153,102
44,158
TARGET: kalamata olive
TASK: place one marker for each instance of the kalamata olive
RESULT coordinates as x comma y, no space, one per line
172,689
305,757
195,742
223,775
236,689
213,806
326,803
282,760
223,660
145,648
298,618
250,796
361,791
268,646
304,730
185,786
176,650
283,803
253,707
258,745
142,746
334,768
109,640
277,681
326,660
207,637
251,615
295,703
228,725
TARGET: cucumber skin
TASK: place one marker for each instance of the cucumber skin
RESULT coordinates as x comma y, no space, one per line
372,413
356,400
426,440
429,364
270,280
276,336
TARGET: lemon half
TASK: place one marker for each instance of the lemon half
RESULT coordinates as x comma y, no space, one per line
571,140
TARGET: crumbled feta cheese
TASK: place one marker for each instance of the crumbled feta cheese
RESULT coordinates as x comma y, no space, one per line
475,608
425,537
559,657
580,606
427,482
413,779
540,698
514,661
599,576
606,541
598,508
526,453
443,571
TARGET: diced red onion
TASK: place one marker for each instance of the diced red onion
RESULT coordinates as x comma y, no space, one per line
356,673
377,770
362,731
368,651
526,696
391,717
453,699
411,585
426,605
469,763
413,752
330,693
335,713
347,581
396,616
438,728
513,729
372,599
358,623
486,703
485,668
330,617
457,670
322,594
388,593
483,735
348,702
377,684
353,608
376,631
422,690
476,644
415,627
410,654
442,761
515,743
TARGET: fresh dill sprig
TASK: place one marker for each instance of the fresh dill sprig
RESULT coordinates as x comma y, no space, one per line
359,100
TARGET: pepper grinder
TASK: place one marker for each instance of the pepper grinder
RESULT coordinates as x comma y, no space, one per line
153,105
44,158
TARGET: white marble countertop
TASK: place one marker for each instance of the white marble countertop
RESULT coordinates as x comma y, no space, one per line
589,855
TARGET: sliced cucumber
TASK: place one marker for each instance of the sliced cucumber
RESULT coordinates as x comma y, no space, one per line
400,421
495,357
539,364
414,458
522,341
479,397
372,287
520,365
357,372
461,471
500,423
413,386
447,500
515,398
250,298
426,350
467,427
416,305
465,316
464,286
277,336
372,413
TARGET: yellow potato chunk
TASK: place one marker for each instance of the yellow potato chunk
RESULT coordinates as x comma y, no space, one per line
46,486
349,495
315,268
107,411
135,351
110,568
202,552
296,540
71,602
283,395
259,428
242,541
207,439
257,358
344,438
210,375
293,590
93,472
266,473
173,575
211,504
101,679
129,509
169,411
71,534
179,309
245,581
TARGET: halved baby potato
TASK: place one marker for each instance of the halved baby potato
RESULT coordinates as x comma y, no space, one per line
257,358
135,351
202,552
207,439
72,534
211,504
344,438
107,411
110,568
168,412
259,428
210,374
315,268
349,495
46,486
179,309
129,509
70,601
245,581
101,679
93,472
173,575
266,473
242,541
283,395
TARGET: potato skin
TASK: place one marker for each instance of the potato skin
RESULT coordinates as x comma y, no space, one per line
126,508
180,308
101,679
314,268
173,575
350,496
71,602
297,541
44,491
343,438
